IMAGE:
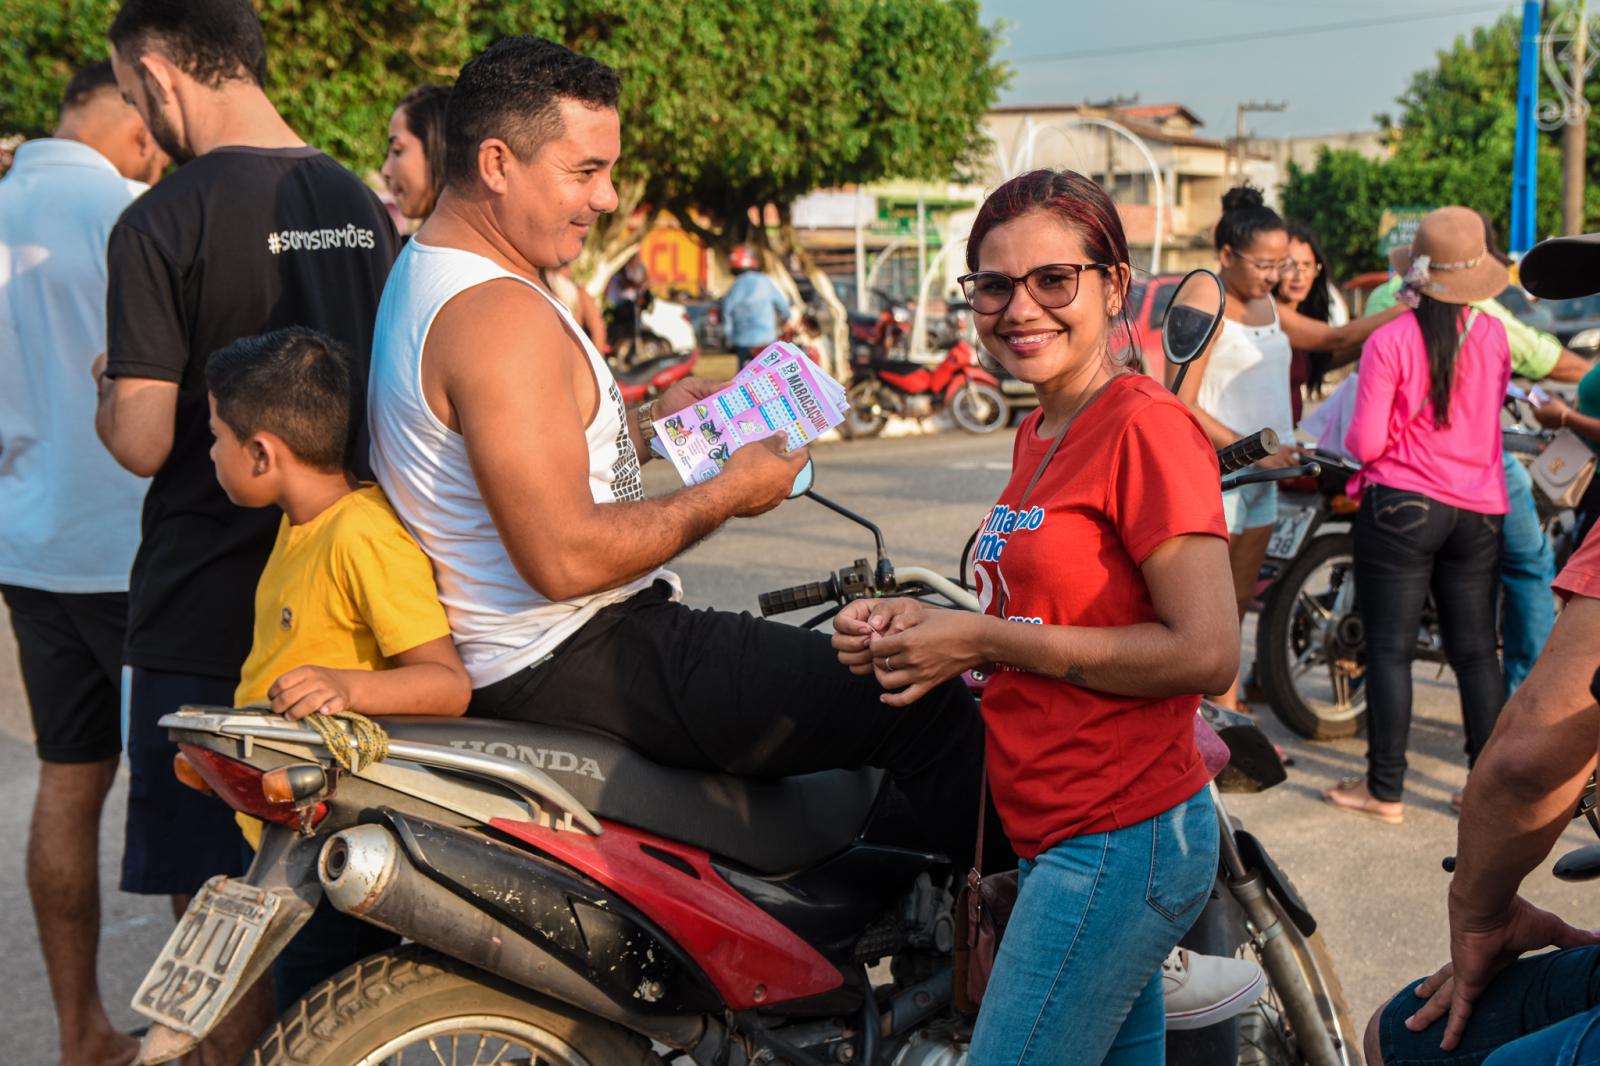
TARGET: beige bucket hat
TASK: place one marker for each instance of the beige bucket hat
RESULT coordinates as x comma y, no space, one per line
1448,259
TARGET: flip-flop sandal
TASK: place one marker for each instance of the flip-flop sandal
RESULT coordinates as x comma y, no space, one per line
1362,807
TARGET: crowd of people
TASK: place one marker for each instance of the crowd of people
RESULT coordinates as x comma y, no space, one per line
312,492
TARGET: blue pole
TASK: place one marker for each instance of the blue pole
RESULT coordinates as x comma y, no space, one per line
1525,166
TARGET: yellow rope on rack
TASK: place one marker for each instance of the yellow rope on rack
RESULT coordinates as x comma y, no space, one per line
354,740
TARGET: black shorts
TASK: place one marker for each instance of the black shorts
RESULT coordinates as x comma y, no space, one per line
176,837
70,647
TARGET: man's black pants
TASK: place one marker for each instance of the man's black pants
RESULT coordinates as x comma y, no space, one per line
714,690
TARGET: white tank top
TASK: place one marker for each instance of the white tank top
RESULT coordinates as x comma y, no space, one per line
1246,386
499,622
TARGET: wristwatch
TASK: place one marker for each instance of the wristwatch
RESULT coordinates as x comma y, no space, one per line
647,428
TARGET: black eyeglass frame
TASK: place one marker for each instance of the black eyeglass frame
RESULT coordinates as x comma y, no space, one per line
1077,275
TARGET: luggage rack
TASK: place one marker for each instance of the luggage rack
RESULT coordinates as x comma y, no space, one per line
532,784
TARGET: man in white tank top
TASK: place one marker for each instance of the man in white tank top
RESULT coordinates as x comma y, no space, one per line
501,439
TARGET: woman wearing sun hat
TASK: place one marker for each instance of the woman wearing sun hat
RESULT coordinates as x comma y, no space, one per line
1426,428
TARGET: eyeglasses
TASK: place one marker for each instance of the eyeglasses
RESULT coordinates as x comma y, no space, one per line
1291,267
1282,266
1054,285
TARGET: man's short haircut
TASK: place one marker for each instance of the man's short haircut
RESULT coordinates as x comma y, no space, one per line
212,41
296,383
92,79
513,90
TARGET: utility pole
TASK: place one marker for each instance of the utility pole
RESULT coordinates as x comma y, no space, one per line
1574,136
1238,140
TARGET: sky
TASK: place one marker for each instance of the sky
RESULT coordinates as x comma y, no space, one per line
1336,63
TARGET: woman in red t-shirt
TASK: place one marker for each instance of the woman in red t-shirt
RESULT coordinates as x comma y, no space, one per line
1103,572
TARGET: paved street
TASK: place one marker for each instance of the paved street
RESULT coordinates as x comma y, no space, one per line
1378,890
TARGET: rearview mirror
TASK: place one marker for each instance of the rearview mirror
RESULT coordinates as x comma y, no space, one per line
803,480
1192,320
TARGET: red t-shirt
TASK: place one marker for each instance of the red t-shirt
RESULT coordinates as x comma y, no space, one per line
1134,471
1581,575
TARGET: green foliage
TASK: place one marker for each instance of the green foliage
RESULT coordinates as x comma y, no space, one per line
1453,144
728,104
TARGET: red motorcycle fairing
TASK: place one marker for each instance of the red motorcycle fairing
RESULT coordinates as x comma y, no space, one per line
751,958
913,384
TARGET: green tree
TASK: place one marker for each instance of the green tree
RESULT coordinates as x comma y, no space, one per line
1453,143
731,109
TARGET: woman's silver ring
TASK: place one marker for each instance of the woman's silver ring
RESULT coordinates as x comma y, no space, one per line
888,668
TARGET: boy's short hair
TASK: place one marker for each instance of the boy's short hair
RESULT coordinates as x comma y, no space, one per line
295,383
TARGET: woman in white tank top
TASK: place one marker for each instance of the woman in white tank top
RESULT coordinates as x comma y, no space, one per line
1240,385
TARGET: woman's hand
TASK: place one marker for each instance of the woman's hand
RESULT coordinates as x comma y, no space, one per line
862,620
1553,413
1284,458
922,648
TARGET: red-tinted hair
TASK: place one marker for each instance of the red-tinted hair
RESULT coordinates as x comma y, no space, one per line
1070,196
1074,199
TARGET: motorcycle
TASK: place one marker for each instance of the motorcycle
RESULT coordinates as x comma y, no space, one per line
1310,657
647,327
572,903
882,387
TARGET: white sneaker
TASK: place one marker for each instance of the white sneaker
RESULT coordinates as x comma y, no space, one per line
1203,990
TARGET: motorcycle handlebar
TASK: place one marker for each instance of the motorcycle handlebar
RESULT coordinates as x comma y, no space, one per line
1247,450
798,597
1261,477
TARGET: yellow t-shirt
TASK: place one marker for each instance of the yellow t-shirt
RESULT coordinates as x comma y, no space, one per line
348,590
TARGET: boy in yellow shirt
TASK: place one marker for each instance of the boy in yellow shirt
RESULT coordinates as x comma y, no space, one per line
347,615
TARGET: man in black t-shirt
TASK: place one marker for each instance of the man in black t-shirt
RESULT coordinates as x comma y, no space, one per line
256,231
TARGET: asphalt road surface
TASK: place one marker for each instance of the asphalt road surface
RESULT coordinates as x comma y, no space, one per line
1378,890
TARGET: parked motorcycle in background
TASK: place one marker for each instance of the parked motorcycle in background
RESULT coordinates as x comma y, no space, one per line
881,387
1310,645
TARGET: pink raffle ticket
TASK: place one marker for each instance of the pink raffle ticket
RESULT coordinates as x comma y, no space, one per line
780,392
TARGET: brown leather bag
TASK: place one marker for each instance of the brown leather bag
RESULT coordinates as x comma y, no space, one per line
982,911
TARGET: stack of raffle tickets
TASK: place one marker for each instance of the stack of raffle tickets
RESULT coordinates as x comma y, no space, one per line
781,392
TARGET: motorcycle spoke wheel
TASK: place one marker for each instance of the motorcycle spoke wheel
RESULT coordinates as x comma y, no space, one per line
1266,1037
413,1006
978,408
475,1041
1313,682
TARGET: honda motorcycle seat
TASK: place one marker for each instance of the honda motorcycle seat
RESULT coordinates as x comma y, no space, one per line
769,825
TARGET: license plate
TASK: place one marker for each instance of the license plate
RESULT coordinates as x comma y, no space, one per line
201,965
1290,532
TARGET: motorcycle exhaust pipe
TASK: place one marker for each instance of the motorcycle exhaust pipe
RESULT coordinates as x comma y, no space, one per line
366,873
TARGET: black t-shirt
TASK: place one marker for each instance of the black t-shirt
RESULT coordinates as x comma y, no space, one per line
237,242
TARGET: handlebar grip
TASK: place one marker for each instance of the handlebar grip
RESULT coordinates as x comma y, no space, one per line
1246,450
797,597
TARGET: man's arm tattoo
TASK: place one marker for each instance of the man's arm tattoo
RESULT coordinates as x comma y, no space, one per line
1074,675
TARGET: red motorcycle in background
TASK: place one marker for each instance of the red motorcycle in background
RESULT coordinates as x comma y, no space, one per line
882,387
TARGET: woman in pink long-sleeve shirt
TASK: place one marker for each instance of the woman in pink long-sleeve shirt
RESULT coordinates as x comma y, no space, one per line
1426,428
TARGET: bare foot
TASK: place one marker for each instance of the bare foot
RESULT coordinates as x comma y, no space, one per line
113,1048
1351,795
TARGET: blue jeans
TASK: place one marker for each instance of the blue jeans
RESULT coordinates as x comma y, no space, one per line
1527,566
1078,975
1542,1011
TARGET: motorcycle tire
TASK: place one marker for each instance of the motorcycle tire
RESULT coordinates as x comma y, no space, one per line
1262,1035
415,997
979,408
867,416
1282,625
1265,1036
